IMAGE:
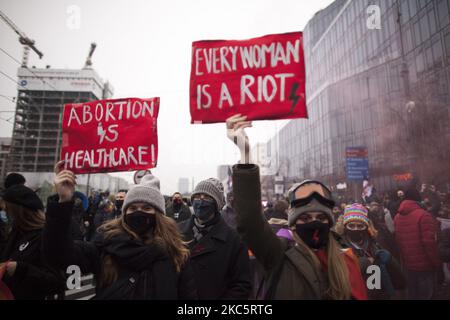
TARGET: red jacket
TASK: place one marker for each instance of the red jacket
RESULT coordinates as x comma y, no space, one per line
416,235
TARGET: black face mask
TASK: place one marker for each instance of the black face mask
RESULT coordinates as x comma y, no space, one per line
356,236
314,234
119,204
140,222
204,209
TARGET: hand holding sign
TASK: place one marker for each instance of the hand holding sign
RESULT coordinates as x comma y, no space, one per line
235,132
65,182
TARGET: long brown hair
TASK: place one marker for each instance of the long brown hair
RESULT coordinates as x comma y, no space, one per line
165,234
23,218
339,287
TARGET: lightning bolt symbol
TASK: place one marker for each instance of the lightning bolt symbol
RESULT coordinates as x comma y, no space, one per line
100,132
294,97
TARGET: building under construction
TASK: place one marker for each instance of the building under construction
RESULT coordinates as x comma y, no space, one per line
42,93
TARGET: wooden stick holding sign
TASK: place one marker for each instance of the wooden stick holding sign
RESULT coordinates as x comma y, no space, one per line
261,78
110,135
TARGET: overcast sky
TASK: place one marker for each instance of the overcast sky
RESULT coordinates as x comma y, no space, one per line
143,49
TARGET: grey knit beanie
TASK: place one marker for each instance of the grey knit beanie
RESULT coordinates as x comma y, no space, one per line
147,191
213,188
295,212
313,206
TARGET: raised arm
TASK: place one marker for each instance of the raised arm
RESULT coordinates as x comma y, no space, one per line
251,224
59,248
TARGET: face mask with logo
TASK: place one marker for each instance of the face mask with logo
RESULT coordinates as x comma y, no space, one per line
314,234
204,209
141,222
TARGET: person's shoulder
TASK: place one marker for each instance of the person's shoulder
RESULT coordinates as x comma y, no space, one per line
184,225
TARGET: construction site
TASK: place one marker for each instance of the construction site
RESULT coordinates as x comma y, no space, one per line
41,95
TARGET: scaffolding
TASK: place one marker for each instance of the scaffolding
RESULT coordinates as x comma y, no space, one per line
37,132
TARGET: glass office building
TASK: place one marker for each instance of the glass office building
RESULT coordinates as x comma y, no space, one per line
384,87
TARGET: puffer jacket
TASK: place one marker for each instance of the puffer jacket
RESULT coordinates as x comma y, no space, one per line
416,236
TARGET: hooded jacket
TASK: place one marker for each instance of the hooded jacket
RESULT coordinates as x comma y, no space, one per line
416,236
219,260
33,279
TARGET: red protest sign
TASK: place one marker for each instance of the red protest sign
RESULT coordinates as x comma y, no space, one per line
262,78
110,135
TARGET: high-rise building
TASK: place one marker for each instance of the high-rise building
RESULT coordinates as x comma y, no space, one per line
183,185
42,93
377,77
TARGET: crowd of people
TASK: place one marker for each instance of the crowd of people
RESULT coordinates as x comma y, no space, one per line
308,246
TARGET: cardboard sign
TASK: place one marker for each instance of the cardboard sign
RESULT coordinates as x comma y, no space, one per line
262,78
110,135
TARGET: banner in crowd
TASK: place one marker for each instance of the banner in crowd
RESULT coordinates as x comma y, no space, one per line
110,135
262,78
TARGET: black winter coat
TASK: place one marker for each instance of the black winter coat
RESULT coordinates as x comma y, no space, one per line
33,278
144,271
220,262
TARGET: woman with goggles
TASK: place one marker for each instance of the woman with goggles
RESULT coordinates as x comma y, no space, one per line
316,266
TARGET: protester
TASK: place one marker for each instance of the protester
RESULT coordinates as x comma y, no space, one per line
228,213
94,201
316,267
219,258
119,199
78,230
178,210
104,214
383,223
13,179
268,212
431,199
139,256
337,212
416,234
395,204
27,275
279,218
359,233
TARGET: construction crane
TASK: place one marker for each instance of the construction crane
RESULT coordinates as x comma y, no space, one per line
88,62
23,39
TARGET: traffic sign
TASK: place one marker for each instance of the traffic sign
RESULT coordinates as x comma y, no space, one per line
357,163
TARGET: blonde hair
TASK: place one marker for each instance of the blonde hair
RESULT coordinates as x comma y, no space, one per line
339,287
24,218
165,234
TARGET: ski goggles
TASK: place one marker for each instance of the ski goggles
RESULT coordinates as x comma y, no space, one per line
305,192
